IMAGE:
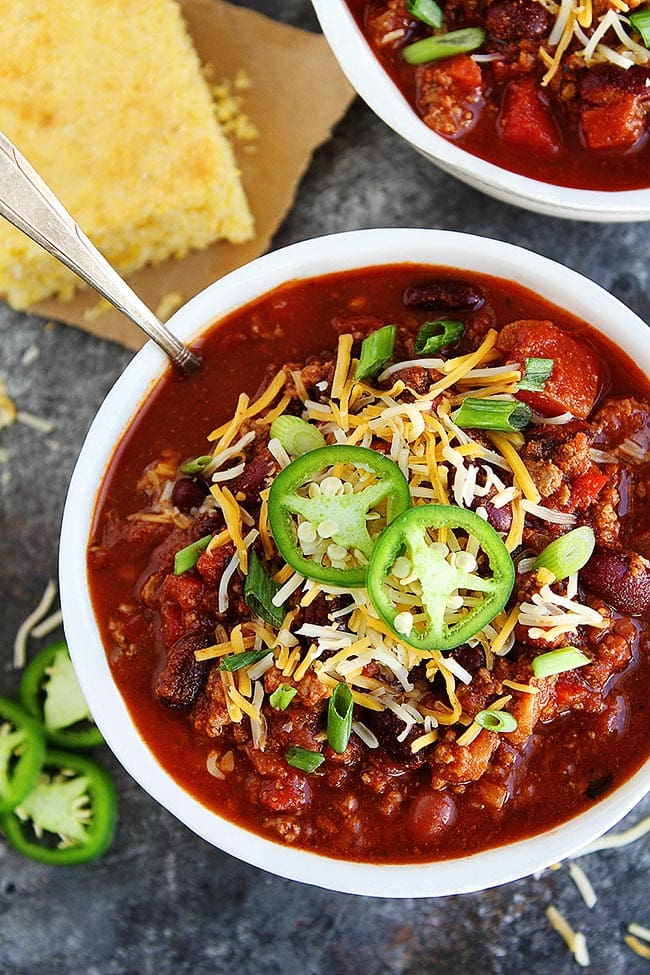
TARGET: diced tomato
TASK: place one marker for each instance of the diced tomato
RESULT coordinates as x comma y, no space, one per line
464,72
577,377
615,126
526,121
586,487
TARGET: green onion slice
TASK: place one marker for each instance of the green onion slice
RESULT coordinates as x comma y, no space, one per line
237,661
567,554
559,661
640,20
444,45
282,697
434,336
303,758
376,351
187,557
493,414
296,435
427,11
259,591
195,466
536,374
339,718
496,720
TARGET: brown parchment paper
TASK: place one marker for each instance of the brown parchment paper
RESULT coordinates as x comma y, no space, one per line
298,93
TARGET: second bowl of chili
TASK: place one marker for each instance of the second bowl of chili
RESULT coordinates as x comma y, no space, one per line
491,106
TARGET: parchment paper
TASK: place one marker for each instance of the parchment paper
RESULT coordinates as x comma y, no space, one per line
298,93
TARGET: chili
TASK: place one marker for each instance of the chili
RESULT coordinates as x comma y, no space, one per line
68,816
50,692
22,747
437,575
340,516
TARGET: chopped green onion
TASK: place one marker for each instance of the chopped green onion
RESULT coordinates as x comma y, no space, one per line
187,557
496,720
567,554
237,661
296,435
282,697
640,20
537,373
427,11
259,591
339,718
559,661
493,414
303,758
444,45
376,351
197,465
434,336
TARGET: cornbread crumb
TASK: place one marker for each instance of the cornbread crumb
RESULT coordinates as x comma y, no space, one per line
168,304
108,102
97,310
7,407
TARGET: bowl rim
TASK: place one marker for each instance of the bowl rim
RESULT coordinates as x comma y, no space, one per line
381,94
311,258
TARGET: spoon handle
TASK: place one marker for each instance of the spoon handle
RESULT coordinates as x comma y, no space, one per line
31,206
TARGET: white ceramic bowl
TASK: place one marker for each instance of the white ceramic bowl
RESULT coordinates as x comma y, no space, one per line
308,259
372,82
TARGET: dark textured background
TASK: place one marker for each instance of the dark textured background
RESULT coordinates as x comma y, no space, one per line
162,900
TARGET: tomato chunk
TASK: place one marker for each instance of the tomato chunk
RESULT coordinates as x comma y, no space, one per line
576,379
526,121
615,126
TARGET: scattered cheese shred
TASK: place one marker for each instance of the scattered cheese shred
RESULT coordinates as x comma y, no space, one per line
27,626
574,940
583,884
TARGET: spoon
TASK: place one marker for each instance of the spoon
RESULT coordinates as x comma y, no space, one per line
28,203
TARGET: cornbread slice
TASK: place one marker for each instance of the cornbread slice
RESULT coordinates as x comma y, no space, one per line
106,99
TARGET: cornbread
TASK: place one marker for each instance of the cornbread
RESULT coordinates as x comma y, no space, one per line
106,99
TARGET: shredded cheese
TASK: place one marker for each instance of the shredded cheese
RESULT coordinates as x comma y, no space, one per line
26,627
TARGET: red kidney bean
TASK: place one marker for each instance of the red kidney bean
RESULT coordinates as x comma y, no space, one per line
605,83
429,814
189,493
444,296
511,20
387,726
499,518
183,676
620,578
255,477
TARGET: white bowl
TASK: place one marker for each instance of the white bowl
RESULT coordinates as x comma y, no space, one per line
312,258
372,82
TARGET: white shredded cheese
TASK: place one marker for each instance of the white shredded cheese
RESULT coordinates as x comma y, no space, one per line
26,627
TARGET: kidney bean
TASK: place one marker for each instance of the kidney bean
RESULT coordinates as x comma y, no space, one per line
183,676
606,83
429,814
189,493
387,726
620,578
444,296
511,20
499,518
255,477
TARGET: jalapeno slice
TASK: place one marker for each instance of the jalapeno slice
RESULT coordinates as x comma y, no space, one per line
22,747
438,574
327,508
69,815
50,692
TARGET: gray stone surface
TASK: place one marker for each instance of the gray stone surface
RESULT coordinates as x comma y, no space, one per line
162,900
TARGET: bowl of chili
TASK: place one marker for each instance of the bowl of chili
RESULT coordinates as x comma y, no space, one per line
544,106
386,634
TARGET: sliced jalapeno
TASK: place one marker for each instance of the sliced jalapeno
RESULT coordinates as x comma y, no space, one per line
50,692
22,747
327,508
438,574
69,815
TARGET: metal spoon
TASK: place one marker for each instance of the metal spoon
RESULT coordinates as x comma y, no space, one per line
29,204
